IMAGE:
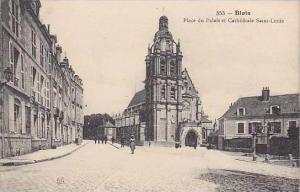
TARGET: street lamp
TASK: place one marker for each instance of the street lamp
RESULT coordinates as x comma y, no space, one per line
254,133
8,76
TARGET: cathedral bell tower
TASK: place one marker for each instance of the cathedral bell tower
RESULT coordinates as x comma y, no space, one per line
163,85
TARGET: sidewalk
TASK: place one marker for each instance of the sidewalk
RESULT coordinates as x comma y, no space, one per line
42,155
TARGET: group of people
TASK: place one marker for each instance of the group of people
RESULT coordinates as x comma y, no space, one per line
102,138
131,143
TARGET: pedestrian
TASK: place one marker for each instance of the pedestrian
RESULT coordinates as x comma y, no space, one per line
195,145
98,139
149,143
105,139
102,139
112,140
122,142
132,144
95,138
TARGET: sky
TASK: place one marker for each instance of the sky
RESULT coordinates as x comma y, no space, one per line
106,43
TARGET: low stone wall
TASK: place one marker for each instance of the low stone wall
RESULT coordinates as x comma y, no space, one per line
16,145
38,144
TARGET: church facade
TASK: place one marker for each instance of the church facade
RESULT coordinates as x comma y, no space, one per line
168,109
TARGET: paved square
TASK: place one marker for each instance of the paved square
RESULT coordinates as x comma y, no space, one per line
97,167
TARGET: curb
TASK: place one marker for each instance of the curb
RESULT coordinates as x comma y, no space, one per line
114,146
41,160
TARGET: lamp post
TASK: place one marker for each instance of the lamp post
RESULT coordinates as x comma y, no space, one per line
8,76
254,143
269,134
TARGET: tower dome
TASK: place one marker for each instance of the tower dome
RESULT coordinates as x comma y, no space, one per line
163,39
163,23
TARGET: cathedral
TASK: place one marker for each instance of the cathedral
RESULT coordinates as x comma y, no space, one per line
168,109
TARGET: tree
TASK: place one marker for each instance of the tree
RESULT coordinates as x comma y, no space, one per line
93,124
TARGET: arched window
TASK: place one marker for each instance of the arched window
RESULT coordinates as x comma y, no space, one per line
163,92
172,67
162,66
173,93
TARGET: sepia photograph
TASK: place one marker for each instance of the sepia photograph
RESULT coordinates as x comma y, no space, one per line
149,95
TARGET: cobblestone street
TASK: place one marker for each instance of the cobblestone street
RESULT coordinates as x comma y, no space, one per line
106,168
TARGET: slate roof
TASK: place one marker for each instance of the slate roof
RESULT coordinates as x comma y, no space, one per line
254,106
138,98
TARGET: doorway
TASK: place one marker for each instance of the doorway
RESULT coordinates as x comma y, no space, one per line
191,139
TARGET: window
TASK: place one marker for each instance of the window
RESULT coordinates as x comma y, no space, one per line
22,73
203,134
240,127
14,59
162,67
42,54
275,110
43,128
33,43
275,127
15,19
292,124
17,117
33,75
172,67
163,92
28,119
255,127
241,111
173,93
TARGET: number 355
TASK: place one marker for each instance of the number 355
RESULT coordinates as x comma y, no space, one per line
220,12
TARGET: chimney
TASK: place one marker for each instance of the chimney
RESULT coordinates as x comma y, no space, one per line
265,94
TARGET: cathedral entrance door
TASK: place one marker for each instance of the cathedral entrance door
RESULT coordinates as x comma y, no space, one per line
191,139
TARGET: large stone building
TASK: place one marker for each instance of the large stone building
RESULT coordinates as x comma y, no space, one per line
41,104
169,108
266,115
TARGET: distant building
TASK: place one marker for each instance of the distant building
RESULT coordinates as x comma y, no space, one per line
264,113
41,106
169,108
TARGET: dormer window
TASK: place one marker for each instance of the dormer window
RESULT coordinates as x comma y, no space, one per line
241,111
275,109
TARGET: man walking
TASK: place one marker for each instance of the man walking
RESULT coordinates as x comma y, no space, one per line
102,139
105,139
122,142
112,140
